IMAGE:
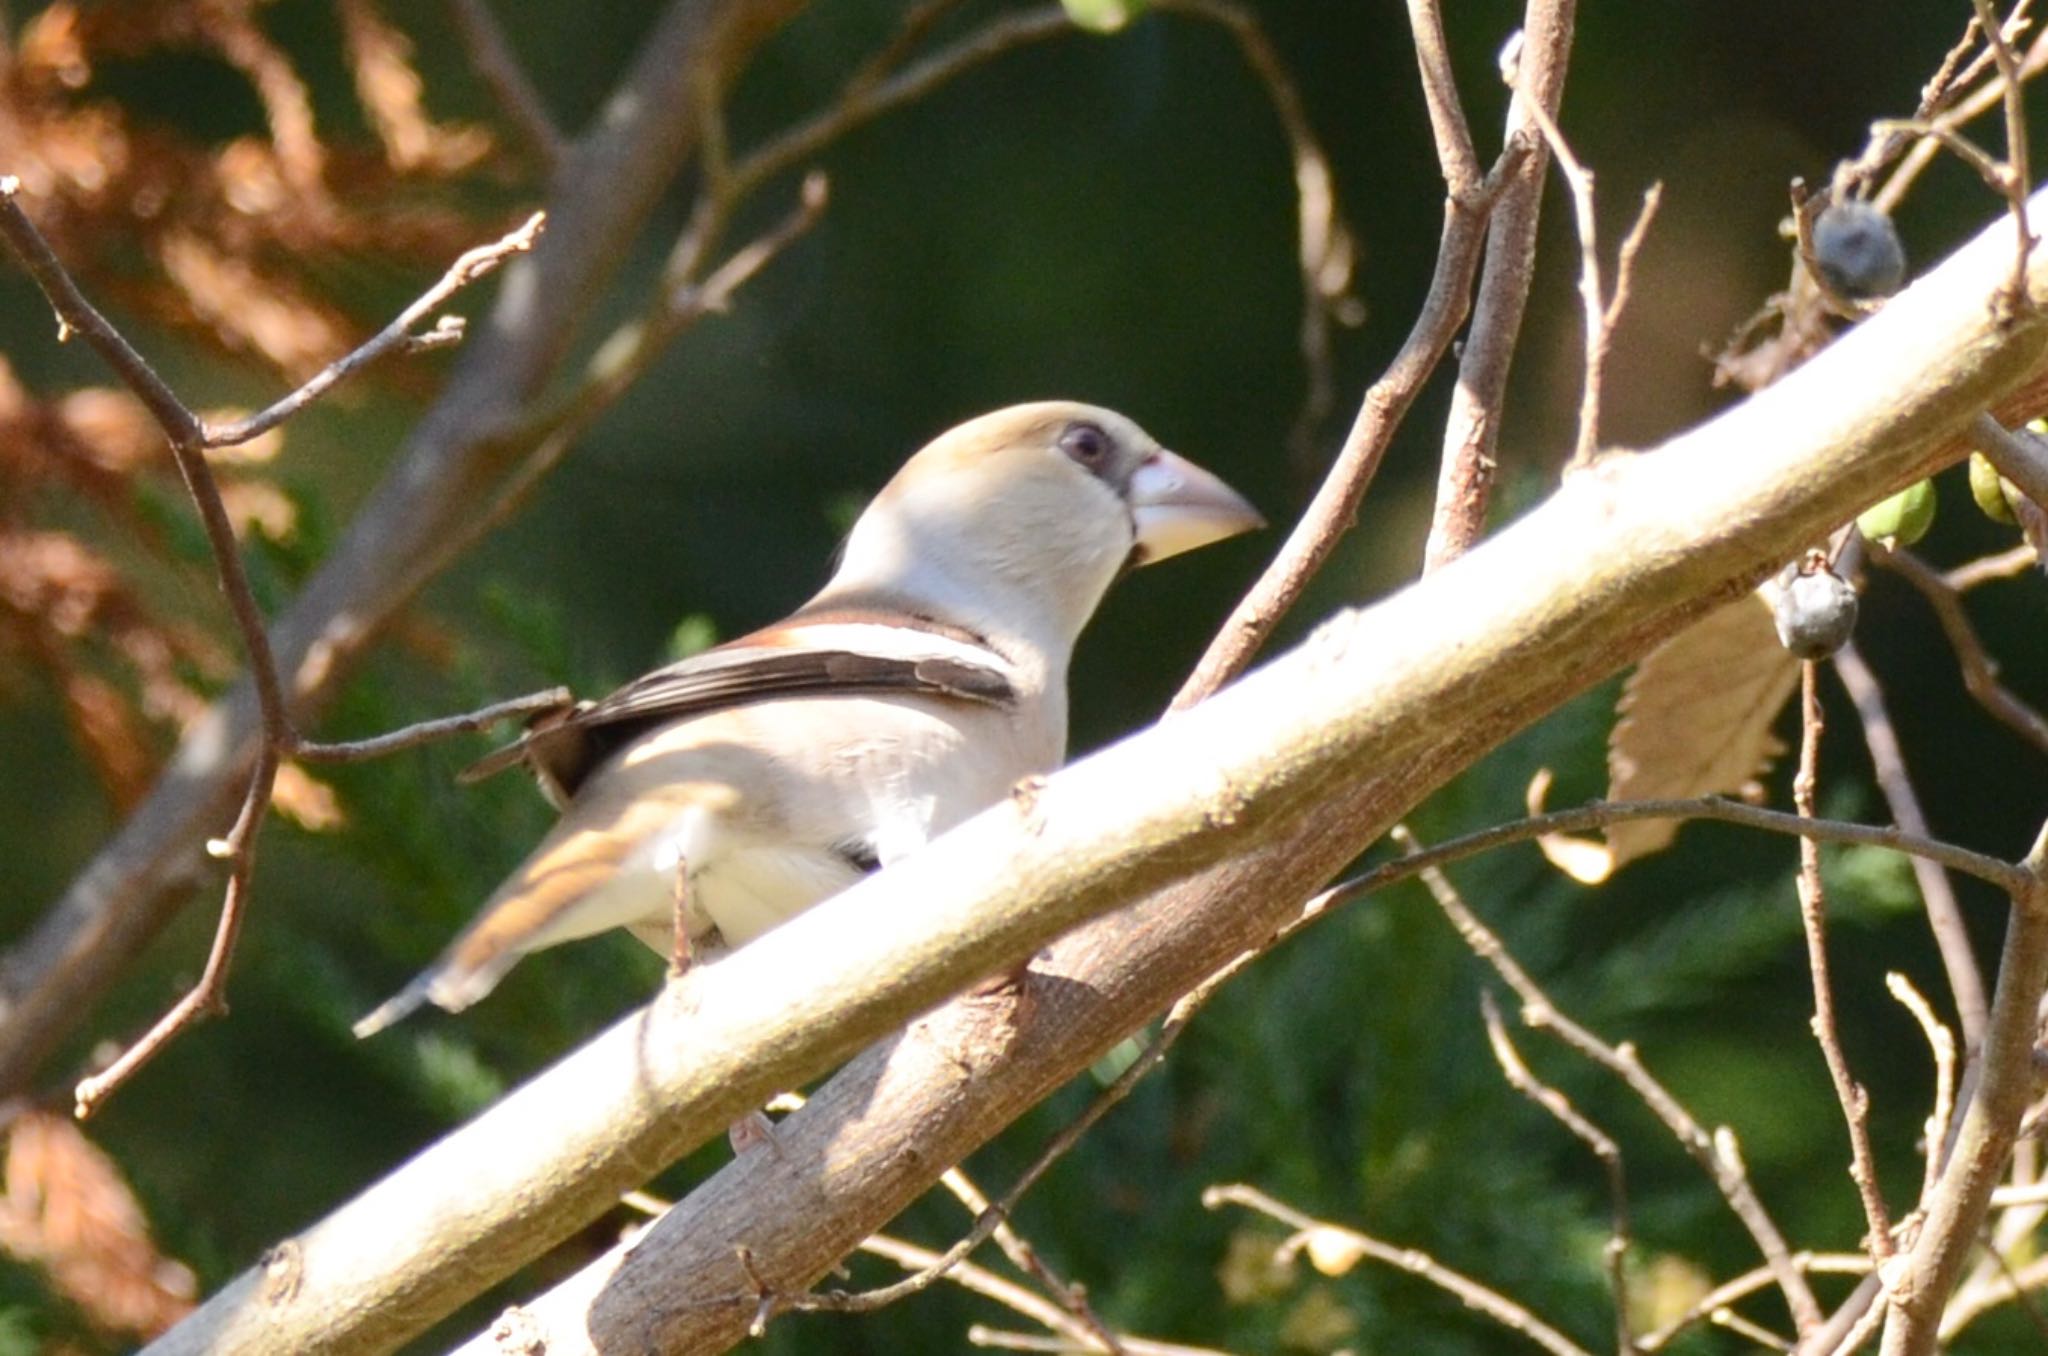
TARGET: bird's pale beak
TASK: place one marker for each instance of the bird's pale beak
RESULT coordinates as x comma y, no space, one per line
1177,506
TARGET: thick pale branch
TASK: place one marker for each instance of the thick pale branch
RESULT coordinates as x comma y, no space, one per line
1252,799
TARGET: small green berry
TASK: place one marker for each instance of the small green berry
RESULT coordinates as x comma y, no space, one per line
1902,519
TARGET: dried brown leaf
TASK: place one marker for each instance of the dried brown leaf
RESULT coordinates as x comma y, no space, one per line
380,56
57,578
260,505
249,310
68,1211
305,800
109,730
112,427
1696,718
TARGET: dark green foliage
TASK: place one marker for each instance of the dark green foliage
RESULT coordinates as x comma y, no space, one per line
1107,218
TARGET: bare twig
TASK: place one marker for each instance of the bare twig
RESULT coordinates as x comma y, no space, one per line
2016,176
1942,1046
1973,1302
207,997
1070,1298
913,28
1813,914
472,265
1069,1335
1472,427
1597,814
998,1214
1747,1330
1598,1141
980,1335
1944,913
1955,1211
1454,153
1979,669
1986,569
1601,311
1749,1283
1716,1154
426,731
189,438
2020,456
1335,505
1921,152
1479,1298
490,53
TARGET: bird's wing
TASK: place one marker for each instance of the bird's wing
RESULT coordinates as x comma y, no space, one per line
828,654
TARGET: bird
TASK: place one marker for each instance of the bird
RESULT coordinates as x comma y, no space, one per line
715,798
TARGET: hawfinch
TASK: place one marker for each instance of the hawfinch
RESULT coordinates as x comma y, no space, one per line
724,794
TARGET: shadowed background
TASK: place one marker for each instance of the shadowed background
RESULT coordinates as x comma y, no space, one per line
1108,218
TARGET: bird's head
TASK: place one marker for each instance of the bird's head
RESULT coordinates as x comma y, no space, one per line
1017,522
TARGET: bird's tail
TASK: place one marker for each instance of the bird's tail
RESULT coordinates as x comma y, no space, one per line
448,984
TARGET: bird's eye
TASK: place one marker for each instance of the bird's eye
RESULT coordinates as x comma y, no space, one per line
1086,444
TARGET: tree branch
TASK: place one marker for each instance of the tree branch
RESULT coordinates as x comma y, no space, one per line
1472,428
1252,799
1334,508
1855,1101
1955,1210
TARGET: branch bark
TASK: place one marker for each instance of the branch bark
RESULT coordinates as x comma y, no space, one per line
1220,822
1472,428
423,516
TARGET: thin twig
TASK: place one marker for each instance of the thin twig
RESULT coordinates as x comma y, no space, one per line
2020,456
981,1335
1069,1297
866,1301
1716,1154
1925,1275
1749,1283
1070,1336
189,438
915,26
1945,135
1335,506
1470,459
1972,1303
2016,175
1986,569
472,265
1747,1330
1601,315
1598,1141
1454,153
1944,913
426,731
498,66
1464,1289
1921,152
1598,814
1979,669
208,997
1813,914
1942,1046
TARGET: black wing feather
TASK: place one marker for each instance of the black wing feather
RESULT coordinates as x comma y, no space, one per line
563,747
